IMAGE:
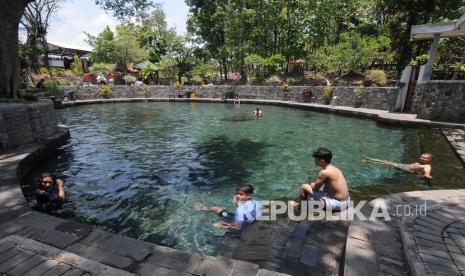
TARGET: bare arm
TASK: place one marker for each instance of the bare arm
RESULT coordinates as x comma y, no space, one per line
319,181
228,226
427,170
61,189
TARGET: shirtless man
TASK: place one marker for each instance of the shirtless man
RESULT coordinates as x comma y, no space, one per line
336,192
423,165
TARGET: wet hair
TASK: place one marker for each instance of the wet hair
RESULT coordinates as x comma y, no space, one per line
429,154
44,175
323,154
246,189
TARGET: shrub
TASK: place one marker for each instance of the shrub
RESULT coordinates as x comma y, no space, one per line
328,92
377,76
419,60
52,87
359,91
76,66
129,79
106,67
105,90
43,71
273,80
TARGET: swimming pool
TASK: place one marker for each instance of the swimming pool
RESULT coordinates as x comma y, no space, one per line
138,168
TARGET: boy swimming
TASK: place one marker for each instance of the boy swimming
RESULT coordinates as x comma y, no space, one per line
247,210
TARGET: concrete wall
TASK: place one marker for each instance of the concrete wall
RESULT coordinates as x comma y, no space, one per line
375,97
24,123
440,101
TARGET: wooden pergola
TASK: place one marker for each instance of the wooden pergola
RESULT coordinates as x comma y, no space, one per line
435,32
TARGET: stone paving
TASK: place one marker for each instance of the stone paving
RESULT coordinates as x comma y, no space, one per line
456,138
434,242
384,247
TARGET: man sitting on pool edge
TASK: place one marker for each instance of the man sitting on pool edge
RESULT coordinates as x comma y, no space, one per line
423,165
335,194
246,213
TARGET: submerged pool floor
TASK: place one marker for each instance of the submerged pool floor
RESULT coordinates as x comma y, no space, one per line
138,168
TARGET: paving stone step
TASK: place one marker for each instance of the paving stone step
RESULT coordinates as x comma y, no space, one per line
23,256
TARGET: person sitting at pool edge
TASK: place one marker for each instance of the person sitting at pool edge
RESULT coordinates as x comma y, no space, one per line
257,112
422,166
246,213
50,191
336,192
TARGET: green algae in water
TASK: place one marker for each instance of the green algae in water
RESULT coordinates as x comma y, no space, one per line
138,168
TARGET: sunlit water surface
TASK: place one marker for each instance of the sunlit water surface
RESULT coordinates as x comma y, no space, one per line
138,168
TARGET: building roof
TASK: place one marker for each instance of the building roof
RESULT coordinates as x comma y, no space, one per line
428,31
66,48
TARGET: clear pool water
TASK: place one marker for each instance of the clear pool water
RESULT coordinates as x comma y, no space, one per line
138,168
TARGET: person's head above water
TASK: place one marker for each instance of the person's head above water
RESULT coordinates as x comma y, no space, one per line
47,179
323,154
244,192
425,158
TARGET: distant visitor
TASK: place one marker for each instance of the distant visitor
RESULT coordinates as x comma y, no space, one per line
246,213
257,112
335,193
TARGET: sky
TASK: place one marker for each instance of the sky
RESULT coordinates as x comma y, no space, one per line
78,16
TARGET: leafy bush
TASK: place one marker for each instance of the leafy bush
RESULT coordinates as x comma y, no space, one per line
328,92
273,80
377,76
105,90
106,67
419,60
129,79
359,91
51,86
76,66
43,70
56,72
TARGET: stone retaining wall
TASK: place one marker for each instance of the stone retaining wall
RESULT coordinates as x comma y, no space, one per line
440,101
382,98
25,123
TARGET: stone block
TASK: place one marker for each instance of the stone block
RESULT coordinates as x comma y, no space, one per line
221,266
9,228
119,245
15,261
264,272
204,265
42,268
39,220
56,238
309,255
428,259
146,269
360,262
80,230
8,254
73,272
293,248
459,260
104,257
422,235
244,269
434,252
57,270
27,266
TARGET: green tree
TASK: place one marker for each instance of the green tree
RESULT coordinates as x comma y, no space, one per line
103,46
76,66
11,12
